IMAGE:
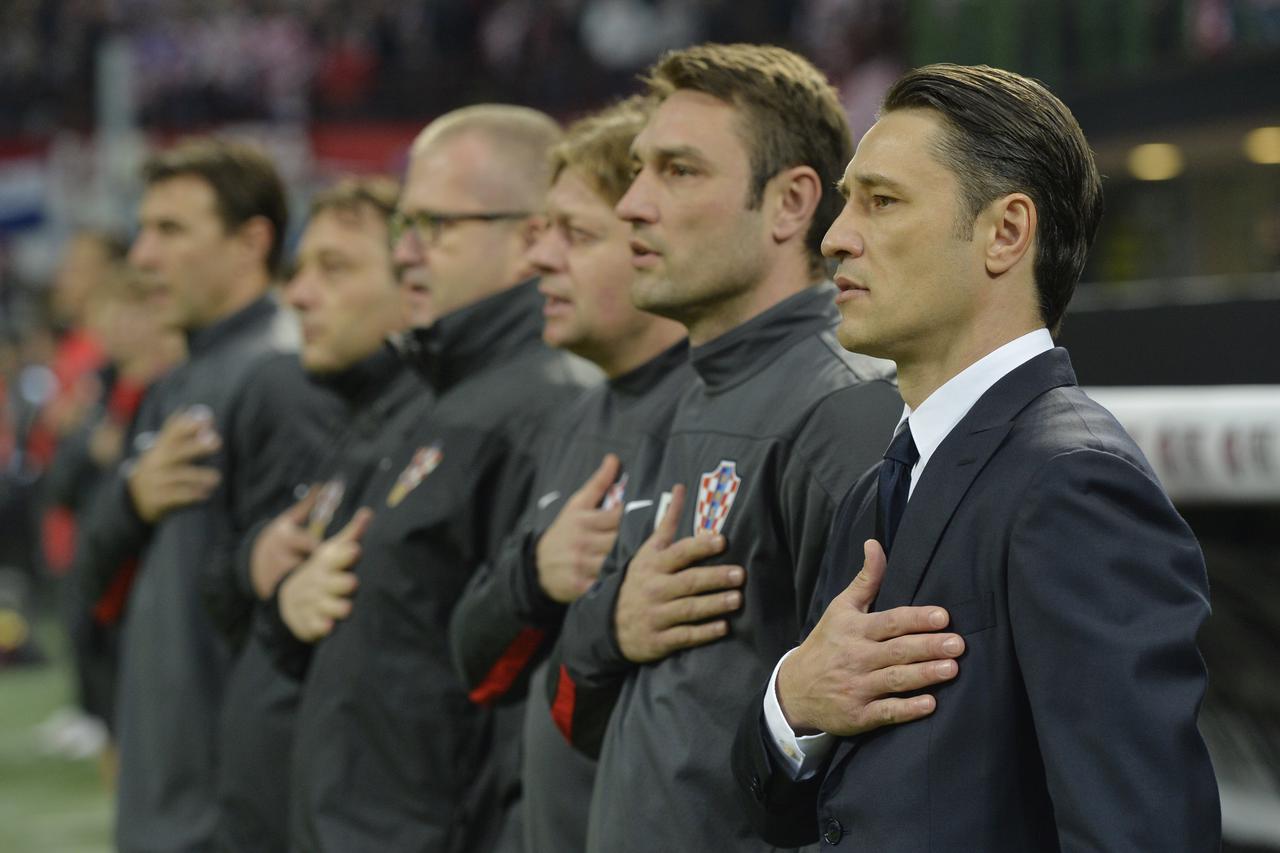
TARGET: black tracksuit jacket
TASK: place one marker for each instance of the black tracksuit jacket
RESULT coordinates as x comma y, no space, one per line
389,753
380,395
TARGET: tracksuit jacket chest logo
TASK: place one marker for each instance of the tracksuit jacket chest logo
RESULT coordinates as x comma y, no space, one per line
326,505
716,492
616,495
424,461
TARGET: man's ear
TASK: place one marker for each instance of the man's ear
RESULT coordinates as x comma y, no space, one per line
256,234
1009,226
792,196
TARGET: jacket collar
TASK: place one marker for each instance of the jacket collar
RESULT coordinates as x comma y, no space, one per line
260,311
365,380
740,353
466,341
643,379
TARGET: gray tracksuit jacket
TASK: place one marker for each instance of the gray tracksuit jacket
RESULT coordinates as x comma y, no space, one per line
175,654
778,427
504,624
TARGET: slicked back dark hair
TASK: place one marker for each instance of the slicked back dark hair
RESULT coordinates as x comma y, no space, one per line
1005,133
791,116
244,181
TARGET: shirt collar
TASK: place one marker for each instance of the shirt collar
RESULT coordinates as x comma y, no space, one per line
471,338
943,409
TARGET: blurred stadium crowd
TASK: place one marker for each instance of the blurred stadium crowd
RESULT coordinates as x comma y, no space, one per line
203,62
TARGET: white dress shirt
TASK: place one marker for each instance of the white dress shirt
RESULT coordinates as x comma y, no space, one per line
930,424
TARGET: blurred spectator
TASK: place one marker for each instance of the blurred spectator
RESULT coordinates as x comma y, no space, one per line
89,258
138,350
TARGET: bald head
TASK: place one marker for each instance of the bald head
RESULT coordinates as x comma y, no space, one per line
502,148
476,187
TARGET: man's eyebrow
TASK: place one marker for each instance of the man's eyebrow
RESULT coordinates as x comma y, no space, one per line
666,153
870,180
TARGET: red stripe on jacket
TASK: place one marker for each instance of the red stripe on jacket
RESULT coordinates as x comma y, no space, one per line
508,667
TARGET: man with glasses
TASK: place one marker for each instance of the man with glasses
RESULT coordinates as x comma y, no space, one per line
389,754
602,457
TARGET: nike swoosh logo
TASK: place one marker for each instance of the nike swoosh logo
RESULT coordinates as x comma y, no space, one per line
635,505
548,499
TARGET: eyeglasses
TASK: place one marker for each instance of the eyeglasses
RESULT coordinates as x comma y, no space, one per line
428,226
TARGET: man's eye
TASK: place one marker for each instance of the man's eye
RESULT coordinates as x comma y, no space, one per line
882,201
679,170
577,236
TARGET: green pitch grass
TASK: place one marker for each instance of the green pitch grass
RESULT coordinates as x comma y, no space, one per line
47,804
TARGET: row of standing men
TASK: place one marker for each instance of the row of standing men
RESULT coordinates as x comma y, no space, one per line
518,580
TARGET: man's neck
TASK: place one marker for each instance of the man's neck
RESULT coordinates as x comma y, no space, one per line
640,349
777,284
932,364
247,291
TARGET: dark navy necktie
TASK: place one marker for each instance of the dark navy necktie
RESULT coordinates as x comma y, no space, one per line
894,484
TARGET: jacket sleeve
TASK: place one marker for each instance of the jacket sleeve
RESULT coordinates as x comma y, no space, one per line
111,535
1107,590
72,467
587,667
782,810
287,653
257,468
504,623
844,437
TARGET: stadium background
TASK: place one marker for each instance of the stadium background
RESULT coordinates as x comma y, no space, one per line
1175,326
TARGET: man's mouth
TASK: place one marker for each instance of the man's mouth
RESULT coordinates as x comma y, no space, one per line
643,255
850,288
555,306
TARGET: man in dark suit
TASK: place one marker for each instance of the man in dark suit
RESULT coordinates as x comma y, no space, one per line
1057,711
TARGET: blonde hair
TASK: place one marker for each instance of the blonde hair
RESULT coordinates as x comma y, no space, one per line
599,146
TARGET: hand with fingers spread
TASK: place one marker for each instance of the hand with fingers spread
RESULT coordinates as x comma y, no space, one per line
665,603
166,476
846,676
572,550
282,546
318,593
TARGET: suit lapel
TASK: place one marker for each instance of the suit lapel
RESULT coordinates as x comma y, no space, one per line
947,478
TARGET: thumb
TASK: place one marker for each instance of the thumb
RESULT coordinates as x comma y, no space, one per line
862,590
592,492
356,527
301,511
664,532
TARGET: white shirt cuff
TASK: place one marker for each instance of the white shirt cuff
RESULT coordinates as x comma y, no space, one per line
801,756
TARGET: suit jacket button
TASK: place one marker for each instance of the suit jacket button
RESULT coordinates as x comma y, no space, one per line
832,832
757,789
